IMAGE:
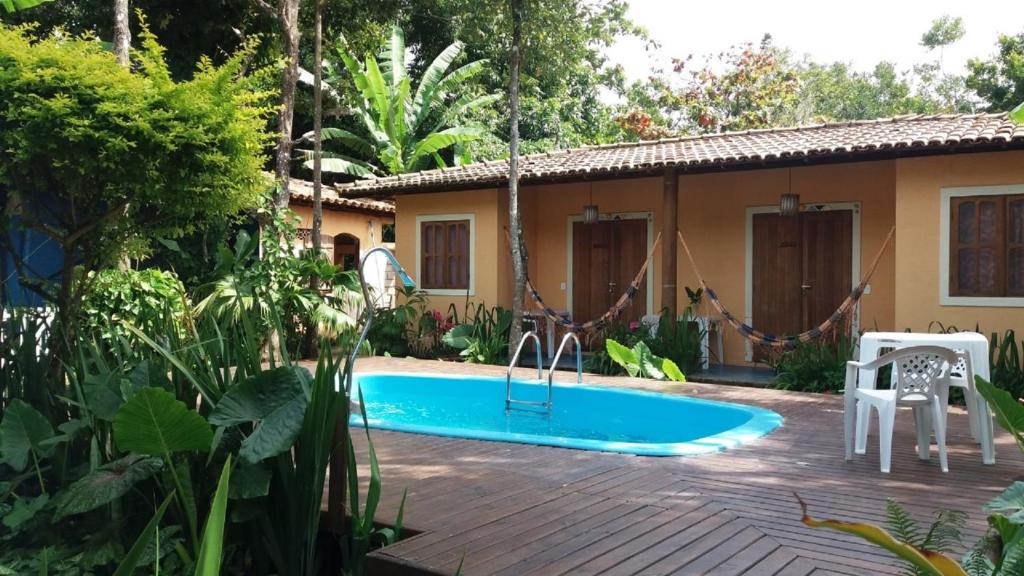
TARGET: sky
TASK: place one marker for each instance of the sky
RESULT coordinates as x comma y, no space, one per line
859,32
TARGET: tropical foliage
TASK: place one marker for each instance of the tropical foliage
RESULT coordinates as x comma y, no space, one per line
15,5
483,336
405,128
100,156
640,362
815,366
136,442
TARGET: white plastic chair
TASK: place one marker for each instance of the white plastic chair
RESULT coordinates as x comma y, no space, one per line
920,380
961,375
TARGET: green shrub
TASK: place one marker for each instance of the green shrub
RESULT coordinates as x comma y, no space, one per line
1007,369
482,338
395,330
815,366
678,341
599,361
151,300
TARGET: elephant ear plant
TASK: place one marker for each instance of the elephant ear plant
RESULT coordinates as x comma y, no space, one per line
640,362
999,553
186,455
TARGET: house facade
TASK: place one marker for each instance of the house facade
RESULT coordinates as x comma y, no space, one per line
350,226
951,186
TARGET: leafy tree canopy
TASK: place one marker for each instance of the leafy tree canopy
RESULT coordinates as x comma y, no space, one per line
999,80
564,70
944,31
98,155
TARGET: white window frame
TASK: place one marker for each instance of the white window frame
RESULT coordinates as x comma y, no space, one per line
420,219
947,195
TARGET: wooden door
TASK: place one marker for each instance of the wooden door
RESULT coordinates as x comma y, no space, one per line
827,256
606,257
776,274
801,269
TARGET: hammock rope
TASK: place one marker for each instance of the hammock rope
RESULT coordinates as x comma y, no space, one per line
624,300
773,341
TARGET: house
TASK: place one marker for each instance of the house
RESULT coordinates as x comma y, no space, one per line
952,186
349,229
350,226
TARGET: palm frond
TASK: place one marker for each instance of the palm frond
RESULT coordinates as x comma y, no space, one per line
397,125
394,55
16,5
431,83
352,141
337,163
377,90
440,140
453,81
462,105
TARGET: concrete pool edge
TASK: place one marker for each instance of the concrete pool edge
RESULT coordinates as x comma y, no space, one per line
762,422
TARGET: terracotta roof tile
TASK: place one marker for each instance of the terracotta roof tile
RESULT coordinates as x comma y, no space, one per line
302,190
900,135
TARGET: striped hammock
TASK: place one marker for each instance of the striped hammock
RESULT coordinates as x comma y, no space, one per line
788,342
621,304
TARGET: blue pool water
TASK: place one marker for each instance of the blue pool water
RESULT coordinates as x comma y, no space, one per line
584,417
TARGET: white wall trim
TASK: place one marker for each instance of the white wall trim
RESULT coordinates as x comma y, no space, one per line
420,219
946,195
649,216
748,272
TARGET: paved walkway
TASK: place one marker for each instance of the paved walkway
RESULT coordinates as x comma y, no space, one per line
501,508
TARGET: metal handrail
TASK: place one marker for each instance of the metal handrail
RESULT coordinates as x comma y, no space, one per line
554,363
369,309
515,362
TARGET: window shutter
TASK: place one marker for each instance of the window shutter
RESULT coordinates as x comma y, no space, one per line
445,252
1015,246
977,246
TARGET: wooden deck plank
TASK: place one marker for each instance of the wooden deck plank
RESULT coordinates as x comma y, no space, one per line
753,555
517,507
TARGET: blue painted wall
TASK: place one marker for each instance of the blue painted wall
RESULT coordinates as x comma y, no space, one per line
43,260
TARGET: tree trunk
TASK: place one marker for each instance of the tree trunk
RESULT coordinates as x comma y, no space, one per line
318,107
288,17
312,348
514,221
122,34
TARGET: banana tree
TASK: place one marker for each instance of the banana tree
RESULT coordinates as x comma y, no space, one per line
17,5
404,128
1017,114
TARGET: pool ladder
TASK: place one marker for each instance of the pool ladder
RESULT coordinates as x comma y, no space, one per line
531,335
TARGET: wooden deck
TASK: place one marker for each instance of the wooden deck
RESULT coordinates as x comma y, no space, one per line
515,509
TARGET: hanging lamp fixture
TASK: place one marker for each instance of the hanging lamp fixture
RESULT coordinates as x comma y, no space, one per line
789,203
590,212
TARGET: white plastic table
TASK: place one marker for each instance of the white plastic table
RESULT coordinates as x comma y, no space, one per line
972,342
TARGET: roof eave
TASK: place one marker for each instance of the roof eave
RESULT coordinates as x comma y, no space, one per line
737,165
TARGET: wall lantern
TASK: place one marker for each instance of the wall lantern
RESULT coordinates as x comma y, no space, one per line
789,204
590,211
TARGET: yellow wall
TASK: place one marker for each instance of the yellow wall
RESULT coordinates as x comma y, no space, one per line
336,222
546,213
918,187
712,217
490,242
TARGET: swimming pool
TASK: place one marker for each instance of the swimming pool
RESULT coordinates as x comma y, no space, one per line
584,417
